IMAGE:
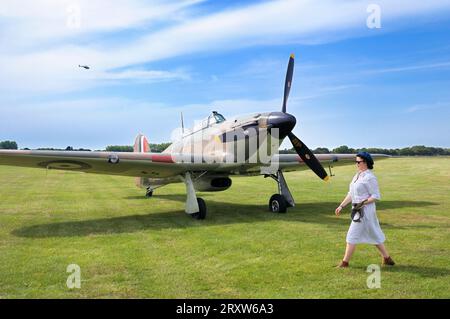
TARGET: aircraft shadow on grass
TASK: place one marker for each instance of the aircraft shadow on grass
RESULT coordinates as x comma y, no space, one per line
220,213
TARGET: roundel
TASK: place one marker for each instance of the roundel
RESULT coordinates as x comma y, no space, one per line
66,165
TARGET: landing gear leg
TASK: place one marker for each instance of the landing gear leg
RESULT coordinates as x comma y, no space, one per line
149,192
195,207
279,203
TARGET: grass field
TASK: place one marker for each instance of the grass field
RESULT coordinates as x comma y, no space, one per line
129,246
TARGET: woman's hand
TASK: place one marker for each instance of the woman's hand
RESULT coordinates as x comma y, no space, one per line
347,200
338,210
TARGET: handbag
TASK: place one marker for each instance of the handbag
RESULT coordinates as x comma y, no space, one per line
358,211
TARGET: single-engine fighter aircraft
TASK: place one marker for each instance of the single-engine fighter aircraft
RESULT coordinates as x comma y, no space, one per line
203,158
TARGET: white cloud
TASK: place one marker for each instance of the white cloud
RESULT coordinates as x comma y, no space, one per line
39,53
427,107
143,75
427,66
51,20
274,22
39,50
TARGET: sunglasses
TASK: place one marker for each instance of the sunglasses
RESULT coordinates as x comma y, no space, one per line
357,162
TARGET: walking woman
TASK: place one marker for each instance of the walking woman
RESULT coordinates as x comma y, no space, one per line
364,227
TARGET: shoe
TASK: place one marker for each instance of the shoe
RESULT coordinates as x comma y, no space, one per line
388,261
343,264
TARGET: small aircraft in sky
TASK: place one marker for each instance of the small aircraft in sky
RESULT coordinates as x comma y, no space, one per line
84,67
204,157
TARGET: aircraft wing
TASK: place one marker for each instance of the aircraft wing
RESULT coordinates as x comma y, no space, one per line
155,165
293,162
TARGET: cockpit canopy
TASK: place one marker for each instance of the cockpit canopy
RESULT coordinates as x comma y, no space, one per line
219,117
211,120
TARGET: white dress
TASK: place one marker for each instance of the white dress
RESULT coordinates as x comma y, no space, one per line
367,230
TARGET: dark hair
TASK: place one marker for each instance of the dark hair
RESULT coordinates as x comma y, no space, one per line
367,158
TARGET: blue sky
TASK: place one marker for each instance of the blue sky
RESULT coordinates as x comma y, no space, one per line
151,60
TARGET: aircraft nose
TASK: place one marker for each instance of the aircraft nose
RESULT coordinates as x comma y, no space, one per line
285,122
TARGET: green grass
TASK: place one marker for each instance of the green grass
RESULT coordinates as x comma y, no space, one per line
129,246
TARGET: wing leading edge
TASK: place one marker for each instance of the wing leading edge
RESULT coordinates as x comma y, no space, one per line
126,164
293,162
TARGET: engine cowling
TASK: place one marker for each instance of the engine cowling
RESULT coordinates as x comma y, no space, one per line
212,184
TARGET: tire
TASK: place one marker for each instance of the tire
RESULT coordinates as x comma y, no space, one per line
149,194
277,204
202,209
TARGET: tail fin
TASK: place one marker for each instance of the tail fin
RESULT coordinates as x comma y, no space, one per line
141,145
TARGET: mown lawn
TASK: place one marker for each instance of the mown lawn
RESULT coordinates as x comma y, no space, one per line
129,246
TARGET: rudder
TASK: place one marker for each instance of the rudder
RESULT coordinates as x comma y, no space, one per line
141,145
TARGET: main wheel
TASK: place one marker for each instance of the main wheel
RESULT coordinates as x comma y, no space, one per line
277,204
149,193
201,214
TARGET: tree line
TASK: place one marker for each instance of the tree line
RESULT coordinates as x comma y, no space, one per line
417,150
157,148
8,145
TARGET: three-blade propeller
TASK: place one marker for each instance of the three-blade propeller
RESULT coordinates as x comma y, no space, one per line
302,150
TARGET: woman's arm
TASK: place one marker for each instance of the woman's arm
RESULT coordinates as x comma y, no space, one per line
374,191
345,202
370,200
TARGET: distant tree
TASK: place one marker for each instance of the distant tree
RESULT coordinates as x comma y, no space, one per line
158,148
119,148
68,148
421,150
417,150
8,145
404,151
374,150
287,151
344,149
321,150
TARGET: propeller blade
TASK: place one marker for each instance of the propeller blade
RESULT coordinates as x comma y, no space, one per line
308,157
288,82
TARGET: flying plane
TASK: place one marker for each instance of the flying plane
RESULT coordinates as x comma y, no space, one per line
204,158
84,67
